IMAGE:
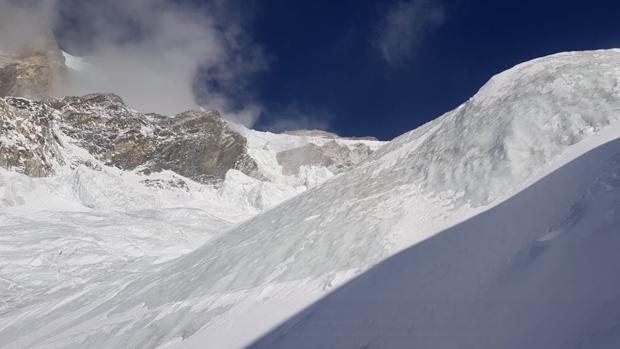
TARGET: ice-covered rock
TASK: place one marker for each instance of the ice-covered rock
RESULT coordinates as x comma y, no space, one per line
28,143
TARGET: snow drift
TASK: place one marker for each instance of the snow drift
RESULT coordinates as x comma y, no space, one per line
537,129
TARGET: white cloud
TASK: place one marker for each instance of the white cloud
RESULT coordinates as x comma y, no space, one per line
159,55
403,25
176,57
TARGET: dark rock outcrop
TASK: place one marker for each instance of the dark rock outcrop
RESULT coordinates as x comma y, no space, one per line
194,144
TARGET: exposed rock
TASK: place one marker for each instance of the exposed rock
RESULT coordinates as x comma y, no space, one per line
195,144
175,183
27,141
333,155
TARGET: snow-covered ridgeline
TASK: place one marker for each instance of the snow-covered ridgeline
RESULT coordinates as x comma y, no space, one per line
521,126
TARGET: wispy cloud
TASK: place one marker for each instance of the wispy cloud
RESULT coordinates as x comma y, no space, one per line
404,25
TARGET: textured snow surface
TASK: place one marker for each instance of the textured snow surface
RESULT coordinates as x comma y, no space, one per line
524,124
539,270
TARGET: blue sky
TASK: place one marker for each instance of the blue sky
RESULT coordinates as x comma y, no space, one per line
329,63
355,67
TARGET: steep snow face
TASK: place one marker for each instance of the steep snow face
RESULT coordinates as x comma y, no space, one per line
521,126
539,270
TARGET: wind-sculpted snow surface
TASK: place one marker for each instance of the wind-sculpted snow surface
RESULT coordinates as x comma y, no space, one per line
537,271
515,124
522,125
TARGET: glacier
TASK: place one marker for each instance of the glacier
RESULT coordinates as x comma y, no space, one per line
494,225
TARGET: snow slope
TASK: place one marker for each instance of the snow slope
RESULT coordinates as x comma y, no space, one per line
540,270
90,223
523,125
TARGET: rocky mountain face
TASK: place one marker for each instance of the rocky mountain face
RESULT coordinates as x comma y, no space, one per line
195,144
28,142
